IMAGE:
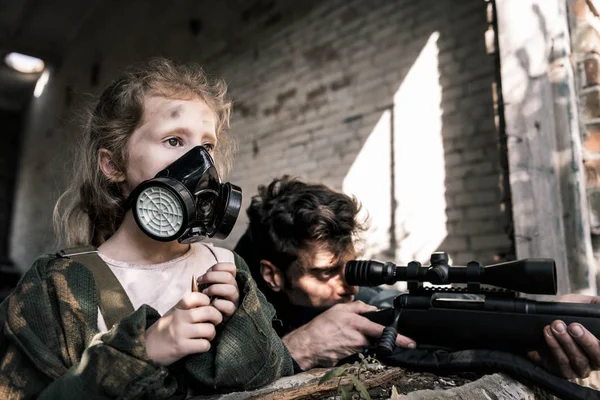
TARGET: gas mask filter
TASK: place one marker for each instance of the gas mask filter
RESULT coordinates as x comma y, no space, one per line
186,201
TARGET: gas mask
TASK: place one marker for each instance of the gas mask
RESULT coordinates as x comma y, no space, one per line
186,201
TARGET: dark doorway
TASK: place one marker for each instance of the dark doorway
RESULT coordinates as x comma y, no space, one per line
11,126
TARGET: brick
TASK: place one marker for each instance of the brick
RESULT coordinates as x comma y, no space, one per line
465,52
473,155
453,159
477,226
454,214
482,99
591,170
480,85
455,186
446,57
475,198
490,241
483,112
486,182
592,140
450,69
454,243
590,102
455,126
469,170
591,69
461,258
482,138
486,211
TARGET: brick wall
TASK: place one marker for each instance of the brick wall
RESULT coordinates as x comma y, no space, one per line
586,46
310,80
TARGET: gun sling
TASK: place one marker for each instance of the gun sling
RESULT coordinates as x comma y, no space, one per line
112,299
489,361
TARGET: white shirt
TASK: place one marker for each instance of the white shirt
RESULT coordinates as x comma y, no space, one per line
162,285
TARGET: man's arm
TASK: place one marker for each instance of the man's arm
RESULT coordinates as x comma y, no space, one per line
337,333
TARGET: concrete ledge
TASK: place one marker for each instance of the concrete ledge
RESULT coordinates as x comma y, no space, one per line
409,385
496,386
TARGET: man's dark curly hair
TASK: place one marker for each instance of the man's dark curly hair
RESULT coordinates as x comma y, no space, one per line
290,215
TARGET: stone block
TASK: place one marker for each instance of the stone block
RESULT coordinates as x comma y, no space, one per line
454,243
593,196
492,241
590,102
592,173
392,383
591,70
592,140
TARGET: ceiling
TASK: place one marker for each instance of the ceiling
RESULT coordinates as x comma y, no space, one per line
40,28
47,28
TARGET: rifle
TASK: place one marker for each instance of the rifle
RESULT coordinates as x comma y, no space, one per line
473,317
474,328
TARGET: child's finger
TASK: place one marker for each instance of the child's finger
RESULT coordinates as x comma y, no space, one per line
192,300
225,267
194,346
201,331
228,292
205,314
226,307
217,277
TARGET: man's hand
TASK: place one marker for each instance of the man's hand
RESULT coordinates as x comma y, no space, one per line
223,286
337,333
573,351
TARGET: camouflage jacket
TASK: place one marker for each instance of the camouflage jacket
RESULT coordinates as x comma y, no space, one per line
50,346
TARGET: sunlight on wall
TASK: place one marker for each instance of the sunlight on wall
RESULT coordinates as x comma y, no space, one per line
369,180
419,162
419,174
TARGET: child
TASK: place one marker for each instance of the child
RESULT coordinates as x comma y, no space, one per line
56,343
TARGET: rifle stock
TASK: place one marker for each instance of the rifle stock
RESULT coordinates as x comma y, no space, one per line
458,329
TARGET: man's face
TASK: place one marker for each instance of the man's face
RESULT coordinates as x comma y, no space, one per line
317,279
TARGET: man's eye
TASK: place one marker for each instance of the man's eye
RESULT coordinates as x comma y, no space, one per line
174,142
327,273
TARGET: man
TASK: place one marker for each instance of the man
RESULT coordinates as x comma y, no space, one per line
299,239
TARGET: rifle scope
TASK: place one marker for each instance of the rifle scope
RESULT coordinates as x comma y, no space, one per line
530,275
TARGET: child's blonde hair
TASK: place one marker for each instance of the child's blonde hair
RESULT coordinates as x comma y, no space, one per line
93,207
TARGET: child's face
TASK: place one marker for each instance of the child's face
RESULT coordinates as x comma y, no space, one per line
169,129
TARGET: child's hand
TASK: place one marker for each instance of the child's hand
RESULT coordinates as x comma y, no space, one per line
185,329
221,278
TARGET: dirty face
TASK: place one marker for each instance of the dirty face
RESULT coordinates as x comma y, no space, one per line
316,279
169,129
